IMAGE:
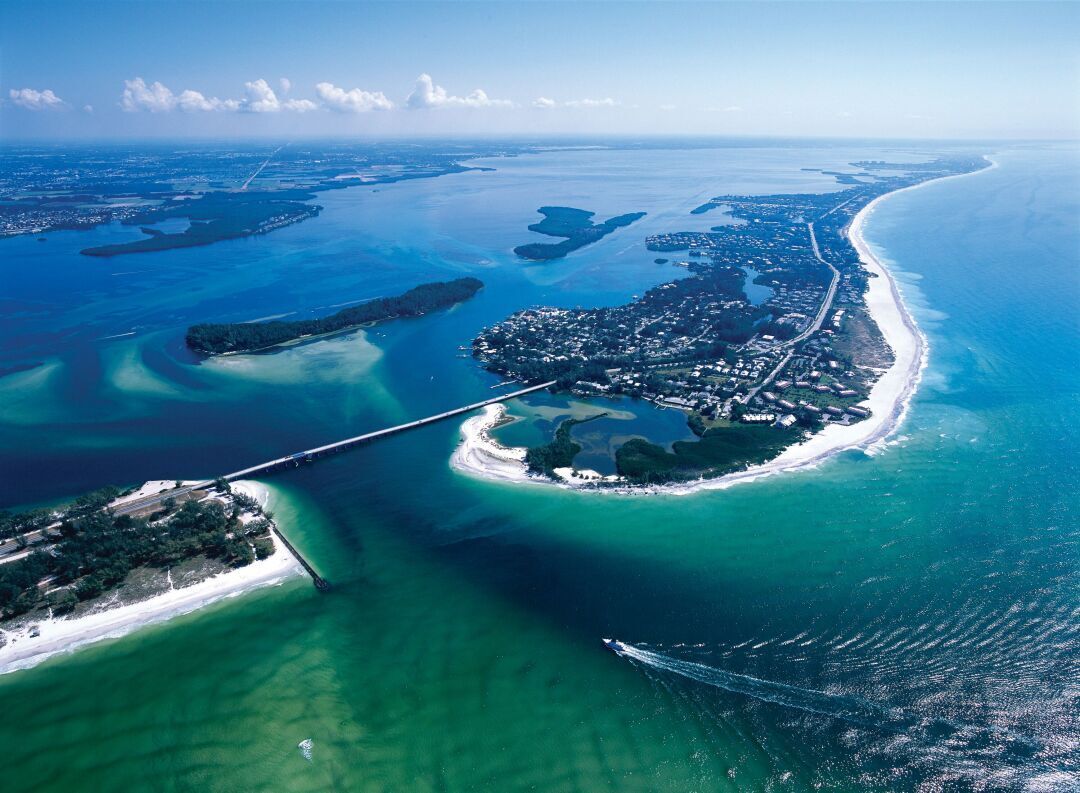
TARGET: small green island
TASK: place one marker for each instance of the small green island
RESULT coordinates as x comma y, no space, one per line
576,225
223,338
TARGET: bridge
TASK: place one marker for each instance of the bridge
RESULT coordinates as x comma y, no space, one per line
319,451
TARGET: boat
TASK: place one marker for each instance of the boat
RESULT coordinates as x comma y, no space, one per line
614,645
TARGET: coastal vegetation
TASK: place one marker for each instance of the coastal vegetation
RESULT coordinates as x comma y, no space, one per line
87,551
720,450
560,452
213,217
575,225
217,338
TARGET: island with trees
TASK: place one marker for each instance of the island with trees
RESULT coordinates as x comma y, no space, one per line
224,338
213,217
576,225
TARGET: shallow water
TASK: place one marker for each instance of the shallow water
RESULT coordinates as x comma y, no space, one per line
460,646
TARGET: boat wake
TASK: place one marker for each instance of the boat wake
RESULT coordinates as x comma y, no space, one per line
989,743
851,709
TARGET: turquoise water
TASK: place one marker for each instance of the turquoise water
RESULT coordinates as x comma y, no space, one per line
911,616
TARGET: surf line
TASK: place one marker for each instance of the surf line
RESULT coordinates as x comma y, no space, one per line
990,742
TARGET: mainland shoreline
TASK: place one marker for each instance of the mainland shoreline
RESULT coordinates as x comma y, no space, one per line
30,645
478,454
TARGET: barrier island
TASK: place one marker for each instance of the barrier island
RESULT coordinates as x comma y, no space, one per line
576,226
224,338
826,361
112,561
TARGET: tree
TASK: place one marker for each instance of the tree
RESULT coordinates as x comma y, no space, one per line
89,587
63,601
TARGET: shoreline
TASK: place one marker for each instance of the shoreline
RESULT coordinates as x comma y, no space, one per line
889,398
61,636
484,456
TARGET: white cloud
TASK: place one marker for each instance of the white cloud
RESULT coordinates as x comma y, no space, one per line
353,101
88,108
428,95
31,99
155,98
299,105
286,85
259,98
193,102
605,102
668,107
544,102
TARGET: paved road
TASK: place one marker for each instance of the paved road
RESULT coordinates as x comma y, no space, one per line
815,326
826,304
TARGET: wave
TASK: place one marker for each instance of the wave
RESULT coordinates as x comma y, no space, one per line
992,745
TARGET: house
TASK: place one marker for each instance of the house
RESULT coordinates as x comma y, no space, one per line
677,402
758,418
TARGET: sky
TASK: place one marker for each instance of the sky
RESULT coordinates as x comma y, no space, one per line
132,70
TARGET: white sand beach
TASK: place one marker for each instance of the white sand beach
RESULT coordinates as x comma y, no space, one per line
888,400
480,454
54,636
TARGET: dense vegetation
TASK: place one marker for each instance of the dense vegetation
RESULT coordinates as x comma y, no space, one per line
95,550
720,450
214,217
13,524
560,453
574,224
240,337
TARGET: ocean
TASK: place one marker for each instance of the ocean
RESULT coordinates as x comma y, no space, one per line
900,620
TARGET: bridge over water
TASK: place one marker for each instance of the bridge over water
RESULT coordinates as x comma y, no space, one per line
319,451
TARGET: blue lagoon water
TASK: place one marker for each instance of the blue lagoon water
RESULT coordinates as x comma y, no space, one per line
907,620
